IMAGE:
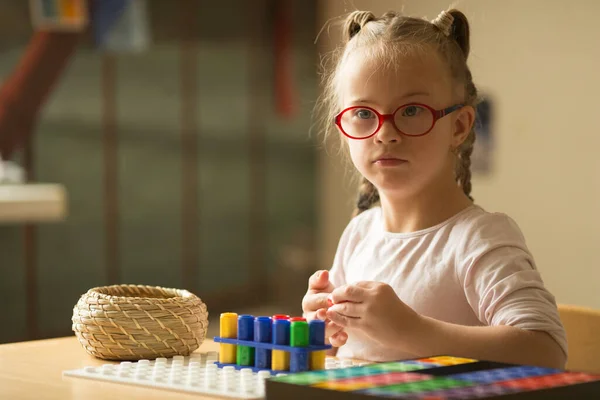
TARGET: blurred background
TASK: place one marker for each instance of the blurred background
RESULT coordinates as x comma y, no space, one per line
172,146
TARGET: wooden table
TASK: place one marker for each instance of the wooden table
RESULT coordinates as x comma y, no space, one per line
33,370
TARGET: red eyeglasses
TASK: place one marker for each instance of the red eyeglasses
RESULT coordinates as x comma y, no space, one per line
412,119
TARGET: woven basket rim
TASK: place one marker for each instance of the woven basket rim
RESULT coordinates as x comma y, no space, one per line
178,294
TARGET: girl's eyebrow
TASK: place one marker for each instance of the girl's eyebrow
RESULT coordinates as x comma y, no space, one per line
414,94
406,95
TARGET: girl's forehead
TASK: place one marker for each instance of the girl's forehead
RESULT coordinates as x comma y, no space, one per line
372,76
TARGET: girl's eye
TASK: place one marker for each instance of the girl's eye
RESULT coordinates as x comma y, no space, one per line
364,113
411,111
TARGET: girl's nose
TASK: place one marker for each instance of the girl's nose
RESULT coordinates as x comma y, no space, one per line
388,132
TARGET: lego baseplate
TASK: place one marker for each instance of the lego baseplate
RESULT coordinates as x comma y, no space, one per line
195,374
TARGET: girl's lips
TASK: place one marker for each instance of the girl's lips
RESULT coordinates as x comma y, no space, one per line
389,161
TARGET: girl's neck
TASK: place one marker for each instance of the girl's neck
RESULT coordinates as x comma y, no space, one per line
428,208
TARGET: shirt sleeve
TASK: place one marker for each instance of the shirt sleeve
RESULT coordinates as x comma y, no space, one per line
502,283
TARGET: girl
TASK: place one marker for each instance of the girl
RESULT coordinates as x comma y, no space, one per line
421,270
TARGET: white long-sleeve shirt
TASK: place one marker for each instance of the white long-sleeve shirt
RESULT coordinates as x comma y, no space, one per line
473,269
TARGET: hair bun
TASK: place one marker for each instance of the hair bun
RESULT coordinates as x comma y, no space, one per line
355,22
444,22
454,24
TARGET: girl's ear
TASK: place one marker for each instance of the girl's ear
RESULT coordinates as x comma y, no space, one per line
465,118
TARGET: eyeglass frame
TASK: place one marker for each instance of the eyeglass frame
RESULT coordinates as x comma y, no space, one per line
437,114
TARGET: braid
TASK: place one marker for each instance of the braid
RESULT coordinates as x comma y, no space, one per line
367,197
463,167
464,151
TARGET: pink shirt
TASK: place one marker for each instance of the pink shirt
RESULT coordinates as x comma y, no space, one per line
473,269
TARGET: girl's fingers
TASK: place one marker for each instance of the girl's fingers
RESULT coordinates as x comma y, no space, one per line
339,339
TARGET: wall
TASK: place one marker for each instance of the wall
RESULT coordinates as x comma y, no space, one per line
539,60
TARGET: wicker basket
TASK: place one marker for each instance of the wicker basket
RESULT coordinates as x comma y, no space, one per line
133,322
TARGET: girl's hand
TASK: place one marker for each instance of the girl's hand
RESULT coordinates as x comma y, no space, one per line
375,309
314,306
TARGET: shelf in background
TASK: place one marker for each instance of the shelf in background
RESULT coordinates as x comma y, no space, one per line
32,202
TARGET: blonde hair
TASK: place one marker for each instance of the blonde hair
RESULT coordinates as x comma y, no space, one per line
388,37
